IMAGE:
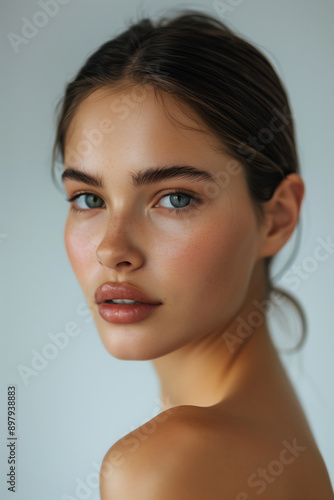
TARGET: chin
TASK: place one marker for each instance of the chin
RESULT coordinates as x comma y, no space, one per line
124,343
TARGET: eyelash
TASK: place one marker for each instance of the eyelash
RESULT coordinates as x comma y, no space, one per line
195,201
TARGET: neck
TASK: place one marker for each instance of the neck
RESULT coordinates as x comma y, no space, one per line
207,371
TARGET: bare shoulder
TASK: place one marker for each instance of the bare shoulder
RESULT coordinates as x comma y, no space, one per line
189,452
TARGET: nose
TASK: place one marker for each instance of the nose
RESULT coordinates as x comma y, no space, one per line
119,248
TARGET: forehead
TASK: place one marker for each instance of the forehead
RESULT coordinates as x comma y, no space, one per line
139,115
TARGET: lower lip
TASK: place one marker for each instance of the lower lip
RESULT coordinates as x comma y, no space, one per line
125,313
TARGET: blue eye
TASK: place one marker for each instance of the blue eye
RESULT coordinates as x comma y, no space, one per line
90,198
177,197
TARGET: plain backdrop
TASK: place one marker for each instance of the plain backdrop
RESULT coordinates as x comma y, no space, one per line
76,405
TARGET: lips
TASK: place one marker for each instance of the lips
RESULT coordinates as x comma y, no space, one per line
111,291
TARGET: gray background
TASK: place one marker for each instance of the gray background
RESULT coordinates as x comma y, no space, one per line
71,411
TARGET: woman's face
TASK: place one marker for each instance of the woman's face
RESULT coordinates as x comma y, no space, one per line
200,263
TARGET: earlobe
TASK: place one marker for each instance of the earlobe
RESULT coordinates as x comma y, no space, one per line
282,214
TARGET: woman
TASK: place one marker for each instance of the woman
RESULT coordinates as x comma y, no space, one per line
181,170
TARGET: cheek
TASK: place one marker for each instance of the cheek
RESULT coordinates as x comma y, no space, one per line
213,261
80,248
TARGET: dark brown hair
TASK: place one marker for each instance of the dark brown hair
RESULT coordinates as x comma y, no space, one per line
224,79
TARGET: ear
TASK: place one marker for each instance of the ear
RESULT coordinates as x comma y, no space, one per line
281,214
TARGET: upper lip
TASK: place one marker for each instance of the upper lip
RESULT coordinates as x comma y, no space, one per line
110,291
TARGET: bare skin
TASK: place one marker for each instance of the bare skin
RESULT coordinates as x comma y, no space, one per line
229,408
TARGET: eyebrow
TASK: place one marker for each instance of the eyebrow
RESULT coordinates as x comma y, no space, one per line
144,177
